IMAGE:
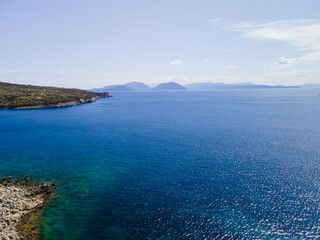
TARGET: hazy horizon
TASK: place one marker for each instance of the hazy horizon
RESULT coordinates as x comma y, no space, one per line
151,85
83,44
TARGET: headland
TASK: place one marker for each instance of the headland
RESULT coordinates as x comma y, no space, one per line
17,96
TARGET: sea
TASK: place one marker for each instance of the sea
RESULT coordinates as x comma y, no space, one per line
220,164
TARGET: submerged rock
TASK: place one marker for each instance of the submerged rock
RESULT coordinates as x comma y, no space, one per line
20,200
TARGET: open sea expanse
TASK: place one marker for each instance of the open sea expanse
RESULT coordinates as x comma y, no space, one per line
222,164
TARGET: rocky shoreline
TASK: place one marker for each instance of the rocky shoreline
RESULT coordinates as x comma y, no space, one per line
66,104
20,201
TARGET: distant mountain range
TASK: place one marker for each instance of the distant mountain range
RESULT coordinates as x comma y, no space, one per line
139,86
210,85
130,86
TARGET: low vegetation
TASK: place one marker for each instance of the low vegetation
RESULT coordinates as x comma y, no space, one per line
16,95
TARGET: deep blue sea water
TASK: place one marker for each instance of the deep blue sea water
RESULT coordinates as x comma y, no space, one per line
225,164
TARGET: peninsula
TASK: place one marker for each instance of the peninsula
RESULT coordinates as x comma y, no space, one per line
21,201
16,96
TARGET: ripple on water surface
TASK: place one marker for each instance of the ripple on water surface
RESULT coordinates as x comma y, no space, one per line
181,165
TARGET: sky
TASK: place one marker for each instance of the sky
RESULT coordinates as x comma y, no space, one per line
92,43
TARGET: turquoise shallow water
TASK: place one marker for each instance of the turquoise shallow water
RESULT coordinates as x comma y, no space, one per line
238,164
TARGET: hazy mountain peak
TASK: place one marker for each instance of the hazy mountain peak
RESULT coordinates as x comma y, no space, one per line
169,86
137,86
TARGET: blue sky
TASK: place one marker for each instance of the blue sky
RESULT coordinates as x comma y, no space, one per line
88,44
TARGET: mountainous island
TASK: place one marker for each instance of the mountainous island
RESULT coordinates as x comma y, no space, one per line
16,96
139,86
246,85
173,86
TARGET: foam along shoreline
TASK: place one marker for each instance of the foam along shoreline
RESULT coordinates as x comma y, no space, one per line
20,201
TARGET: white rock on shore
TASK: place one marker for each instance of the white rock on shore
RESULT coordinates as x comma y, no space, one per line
17,200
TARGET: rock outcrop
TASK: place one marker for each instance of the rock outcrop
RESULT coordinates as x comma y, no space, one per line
103,94
20,201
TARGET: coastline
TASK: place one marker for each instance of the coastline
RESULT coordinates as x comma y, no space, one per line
65,104
21,203
19,96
